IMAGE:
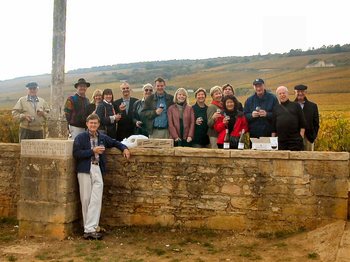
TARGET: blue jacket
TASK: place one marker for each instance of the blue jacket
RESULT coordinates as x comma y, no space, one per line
83,153
260,126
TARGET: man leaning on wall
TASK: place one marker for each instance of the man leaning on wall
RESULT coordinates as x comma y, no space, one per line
88,150
31,112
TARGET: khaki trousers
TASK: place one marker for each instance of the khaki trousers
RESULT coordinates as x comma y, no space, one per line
91,190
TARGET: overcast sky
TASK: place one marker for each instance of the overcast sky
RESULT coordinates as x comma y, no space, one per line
105,32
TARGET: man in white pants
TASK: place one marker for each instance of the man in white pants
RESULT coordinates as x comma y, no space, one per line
88,150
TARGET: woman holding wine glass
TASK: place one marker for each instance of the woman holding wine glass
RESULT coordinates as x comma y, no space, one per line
232,120
109,118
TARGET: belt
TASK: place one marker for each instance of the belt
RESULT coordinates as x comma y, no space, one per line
160,128
95,163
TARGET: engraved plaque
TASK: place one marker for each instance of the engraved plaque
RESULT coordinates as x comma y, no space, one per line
47,148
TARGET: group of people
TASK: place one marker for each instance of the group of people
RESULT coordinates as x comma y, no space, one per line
103,122
159,114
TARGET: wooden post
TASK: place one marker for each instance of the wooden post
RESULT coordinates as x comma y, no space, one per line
56,129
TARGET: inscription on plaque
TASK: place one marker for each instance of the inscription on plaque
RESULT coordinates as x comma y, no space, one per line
47,148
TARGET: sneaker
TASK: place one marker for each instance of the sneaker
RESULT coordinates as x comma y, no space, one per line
92,235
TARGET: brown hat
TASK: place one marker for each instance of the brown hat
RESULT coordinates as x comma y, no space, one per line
81,81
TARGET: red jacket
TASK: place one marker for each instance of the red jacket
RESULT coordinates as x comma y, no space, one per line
174,122
220,127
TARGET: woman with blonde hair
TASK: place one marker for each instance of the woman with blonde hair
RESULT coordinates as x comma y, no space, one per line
96,99
181,119
213,112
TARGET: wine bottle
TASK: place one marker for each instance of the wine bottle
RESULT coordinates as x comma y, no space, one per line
241,140
227,140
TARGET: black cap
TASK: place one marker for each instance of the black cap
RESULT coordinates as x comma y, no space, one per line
32,85
300,87
258,81
81,81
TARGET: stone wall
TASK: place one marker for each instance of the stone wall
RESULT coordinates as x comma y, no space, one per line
231,189
219,189
9,179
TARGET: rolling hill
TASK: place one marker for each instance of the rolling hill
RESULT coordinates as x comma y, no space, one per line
328,86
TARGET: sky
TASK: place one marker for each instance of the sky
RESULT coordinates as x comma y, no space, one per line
106,32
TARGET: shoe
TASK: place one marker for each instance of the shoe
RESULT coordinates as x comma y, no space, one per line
92,235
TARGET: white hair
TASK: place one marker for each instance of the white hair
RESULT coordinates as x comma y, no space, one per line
282,88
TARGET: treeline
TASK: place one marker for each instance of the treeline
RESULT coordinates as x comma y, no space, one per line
330,49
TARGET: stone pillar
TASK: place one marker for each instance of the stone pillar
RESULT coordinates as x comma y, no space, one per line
56,126
49,202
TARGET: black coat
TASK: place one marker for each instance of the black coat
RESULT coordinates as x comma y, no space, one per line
104,111
126,124
312,120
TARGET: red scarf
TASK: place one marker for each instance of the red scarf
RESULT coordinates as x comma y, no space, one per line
218,104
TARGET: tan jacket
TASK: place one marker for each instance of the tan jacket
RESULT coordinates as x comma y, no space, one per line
24,108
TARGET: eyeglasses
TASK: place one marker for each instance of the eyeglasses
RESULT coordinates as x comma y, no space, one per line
148,90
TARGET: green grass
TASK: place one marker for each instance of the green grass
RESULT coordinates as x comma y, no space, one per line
281,245
313,256
8,221
248,251
281,234
156,251
99,245
11,258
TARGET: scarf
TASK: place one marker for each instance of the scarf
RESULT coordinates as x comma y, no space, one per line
218,104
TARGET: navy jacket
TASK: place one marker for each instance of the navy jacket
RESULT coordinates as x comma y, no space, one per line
83,153
260,126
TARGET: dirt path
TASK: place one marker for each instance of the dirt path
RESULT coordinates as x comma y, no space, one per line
135,244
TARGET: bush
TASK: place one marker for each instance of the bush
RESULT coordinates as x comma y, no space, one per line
9,127
334,133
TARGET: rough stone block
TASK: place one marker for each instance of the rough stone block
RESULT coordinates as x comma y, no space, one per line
47,212
288,168
232,222
259,154
243,203
327,168
57,231
204,153
231,189
330,187
142,219
314,155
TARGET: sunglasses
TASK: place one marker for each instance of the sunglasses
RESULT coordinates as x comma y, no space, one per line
148,90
